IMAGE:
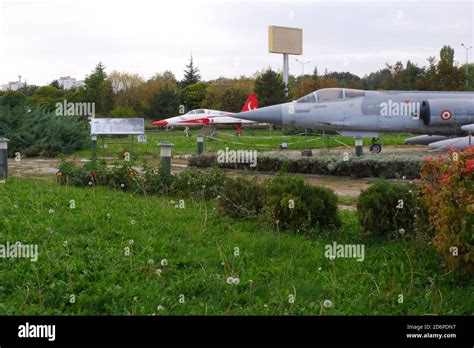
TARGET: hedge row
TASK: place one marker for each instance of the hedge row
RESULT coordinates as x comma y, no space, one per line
389,167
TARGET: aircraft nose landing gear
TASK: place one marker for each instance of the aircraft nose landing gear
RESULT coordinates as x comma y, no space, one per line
375,147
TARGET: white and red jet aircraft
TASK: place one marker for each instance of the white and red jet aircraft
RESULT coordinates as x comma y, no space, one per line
200,117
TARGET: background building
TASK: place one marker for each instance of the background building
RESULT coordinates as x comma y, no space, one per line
69,82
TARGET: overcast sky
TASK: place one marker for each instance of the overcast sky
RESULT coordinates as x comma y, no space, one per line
45,39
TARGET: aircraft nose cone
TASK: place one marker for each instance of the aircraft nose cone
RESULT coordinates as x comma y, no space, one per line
160,123
268,114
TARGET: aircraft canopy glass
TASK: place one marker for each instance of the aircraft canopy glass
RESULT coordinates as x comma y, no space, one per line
331,94
197,111
310,98
354,93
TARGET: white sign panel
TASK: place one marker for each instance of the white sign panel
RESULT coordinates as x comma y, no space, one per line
118,126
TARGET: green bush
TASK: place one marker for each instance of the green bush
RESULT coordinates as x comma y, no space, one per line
242,198
390,209
199,184
124,176
202,161
37,132
299,206
92,173
157,180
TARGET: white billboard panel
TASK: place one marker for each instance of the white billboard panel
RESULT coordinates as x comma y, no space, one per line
111,126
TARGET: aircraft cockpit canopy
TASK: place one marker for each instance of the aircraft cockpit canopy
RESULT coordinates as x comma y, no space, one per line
331,94
196,111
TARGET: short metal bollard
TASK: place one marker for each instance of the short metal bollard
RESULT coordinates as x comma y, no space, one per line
3,158
200,143
358,145
165,155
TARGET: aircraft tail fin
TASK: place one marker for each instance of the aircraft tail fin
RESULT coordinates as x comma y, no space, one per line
251,103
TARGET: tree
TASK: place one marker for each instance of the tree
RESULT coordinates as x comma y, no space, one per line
270,88
106,98
93,85
12,98
449,76
151,88
193,95
346,79
122,112
47,97
164,103
128,90
191,74
428,80
55,84
227,94
409,76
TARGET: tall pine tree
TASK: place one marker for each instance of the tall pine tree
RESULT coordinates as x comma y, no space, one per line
191,74
94,85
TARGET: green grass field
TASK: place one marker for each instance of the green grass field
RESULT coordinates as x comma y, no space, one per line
82,252
261,140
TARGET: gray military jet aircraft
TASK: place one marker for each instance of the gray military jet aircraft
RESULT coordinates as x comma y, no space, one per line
446,119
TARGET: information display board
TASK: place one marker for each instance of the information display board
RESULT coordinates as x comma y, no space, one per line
117,126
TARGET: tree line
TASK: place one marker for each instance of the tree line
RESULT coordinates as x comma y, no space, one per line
122,94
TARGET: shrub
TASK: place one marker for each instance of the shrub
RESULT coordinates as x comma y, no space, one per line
41,133
202,161
242,198
386,208
92,173
157,180
448,186
293,204
199,184
124,176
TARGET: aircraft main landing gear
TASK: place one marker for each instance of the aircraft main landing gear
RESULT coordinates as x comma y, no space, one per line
375,147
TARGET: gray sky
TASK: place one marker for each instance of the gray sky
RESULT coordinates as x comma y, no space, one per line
45,39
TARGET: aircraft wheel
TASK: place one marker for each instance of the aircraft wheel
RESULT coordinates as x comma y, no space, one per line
375,148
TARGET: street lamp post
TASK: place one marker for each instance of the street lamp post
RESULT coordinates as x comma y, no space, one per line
302,71
467,61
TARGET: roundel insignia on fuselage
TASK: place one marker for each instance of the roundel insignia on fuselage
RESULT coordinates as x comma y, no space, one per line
446,114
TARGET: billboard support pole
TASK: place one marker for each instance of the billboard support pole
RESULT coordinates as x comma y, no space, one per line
285,72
